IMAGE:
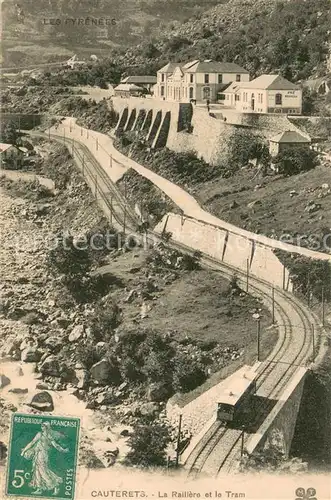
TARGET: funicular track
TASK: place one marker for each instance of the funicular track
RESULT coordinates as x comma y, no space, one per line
220,447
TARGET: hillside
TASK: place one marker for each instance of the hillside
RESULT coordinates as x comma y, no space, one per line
43,30
262,35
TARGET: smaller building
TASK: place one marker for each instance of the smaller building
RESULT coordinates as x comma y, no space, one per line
10,153
128,90
230,95
147,81
290,139
264,94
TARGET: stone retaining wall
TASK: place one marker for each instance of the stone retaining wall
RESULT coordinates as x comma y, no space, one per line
228,247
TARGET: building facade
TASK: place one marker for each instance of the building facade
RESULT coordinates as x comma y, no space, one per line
265,94
196,80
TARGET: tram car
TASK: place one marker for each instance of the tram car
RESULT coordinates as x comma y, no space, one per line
236,399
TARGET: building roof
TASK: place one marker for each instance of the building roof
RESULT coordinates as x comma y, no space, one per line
271,82
215,67
233,88
170,67
207,66
4,146
290,136
140,79
127,87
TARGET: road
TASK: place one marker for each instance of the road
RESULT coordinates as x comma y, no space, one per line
115,164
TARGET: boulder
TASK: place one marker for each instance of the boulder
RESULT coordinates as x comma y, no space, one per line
149,409
42,386
76,333
19,390
158,392
50,366
82,378
4,381
42,401
100,371
30,354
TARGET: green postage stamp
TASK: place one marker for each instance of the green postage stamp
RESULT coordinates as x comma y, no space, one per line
42,456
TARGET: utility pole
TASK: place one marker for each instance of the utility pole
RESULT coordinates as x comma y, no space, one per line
178,438
124,221
258,338
308,289
242,442
284,276
323,305
273,305
96,186
247,274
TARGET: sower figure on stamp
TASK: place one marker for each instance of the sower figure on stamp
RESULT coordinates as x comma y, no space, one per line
38,451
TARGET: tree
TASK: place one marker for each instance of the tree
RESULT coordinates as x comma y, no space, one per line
305,273
309,101
294,161
188,373
9,134
69,258
148,445
245,146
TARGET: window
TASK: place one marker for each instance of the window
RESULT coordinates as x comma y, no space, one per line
191,92
162,77
237,97
162,90
220,78
191,78
238,78
278,99
206,78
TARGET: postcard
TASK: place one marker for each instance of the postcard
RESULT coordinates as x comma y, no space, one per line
165,257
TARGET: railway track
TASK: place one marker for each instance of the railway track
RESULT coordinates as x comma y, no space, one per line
221,446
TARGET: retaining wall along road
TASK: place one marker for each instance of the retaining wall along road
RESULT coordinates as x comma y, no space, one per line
228,247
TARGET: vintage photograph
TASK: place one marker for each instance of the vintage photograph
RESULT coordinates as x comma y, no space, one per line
165,254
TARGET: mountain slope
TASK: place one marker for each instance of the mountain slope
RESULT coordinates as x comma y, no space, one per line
290,37
81,24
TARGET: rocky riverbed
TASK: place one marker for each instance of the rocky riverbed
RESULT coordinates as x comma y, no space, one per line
33,322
